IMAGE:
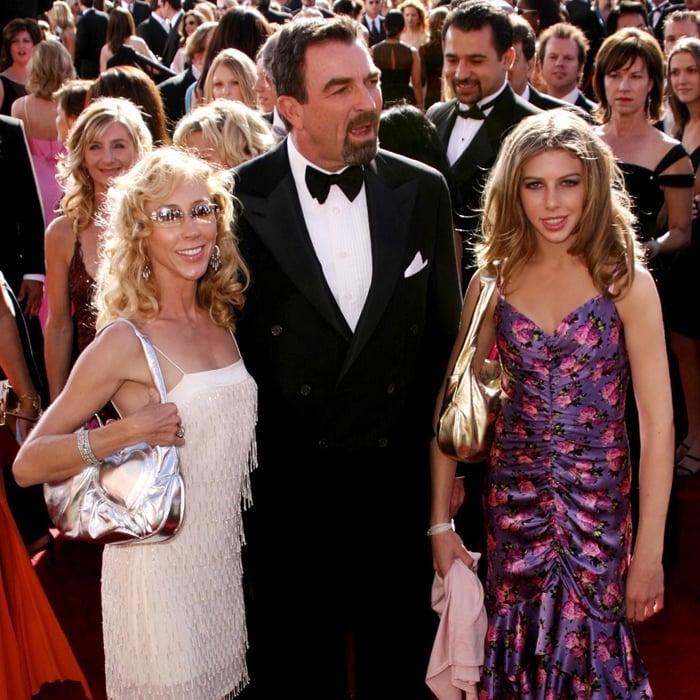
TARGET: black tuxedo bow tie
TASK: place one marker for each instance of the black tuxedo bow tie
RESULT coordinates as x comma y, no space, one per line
349,180
475,112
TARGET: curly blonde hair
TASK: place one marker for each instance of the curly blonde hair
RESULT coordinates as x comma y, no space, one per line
78,201
233,130
125,285
605,239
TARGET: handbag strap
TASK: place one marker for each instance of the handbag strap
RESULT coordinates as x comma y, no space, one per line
151,356
488,278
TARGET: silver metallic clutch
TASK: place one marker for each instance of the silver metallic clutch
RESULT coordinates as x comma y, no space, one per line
134,494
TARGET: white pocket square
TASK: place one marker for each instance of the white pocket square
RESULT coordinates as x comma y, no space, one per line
417,264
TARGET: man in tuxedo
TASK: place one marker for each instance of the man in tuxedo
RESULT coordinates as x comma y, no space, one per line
173,12
174,90
562,57
353,305
478,50
139,10
525,45
90,35
154,30
373,20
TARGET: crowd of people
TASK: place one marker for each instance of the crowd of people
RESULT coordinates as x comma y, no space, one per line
298,202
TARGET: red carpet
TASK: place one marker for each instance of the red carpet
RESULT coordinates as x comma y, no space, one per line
669,642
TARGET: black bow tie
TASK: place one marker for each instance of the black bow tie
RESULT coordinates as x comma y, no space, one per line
475,112
349,180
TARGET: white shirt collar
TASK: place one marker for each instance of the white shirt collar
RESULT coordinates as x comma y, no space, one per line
571,97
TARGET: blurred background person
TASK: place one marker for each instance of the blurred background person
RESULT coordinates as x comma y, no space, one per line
108,137
50,67
71,99
629,83
62,23
628,13
415,32
541,14
174,90
399,63
90,37
682,285
133,84
190,22
154,30
224,133
121,31
432,57
19,37
373,20
232,76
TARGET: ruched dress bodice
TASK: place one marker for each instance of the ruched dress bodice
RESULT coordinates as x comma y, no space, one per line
558,511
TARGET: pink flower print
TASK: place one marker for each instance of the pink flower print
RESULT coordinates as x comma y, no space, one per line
589,500
591,550
566,398
526,485
522,330
568,365
571,611
567,447
524,457
587,335
618,674
540,367
614,336
520,637
587,415
586,521
612,393
491,634
519,430
530,407
608,436
588,578
612,595
575,645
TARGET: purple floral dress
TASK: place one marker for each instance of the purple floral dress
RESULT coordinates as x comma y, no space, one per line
558,513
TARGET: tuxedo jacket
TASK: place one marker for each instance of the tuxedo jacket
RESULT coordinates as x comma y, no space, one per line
585,104
469,171
90,35
173,91
140,11
172,43
373,37
22,231
154,34
323,389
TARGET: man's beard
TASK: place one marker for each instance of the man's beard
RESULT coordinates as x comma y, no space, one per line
361,153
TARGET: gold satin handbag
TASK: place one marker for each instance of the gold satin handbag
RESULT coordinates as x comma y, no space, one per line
465,427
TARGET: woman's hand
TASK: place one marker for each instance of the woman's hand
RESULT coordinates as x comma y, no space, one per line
157,423
448,546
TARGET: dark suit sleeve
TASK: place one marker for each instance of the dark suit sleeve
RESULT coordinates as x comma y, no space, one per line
25,203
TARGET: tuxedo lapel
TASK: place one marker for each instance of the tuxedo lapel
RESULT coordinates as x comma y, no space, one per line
289,241
483,149
390,213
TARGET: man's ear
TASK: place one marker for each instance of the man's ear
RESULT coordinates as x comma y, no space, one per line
291,110
508,58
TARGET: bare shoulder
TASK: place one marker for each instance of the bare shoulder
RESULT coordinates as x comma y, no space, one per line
59,236
640,296
119,351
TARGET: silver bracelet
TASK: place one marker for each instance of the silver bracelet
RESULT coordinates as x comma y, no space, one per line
440,527
85,450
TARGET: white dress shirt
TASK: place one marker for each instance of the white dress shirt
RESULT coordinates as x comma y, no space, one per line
339,232
464,130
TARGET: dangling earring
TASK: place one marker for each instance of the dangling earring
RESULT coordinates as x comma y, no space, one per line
649,107
146,273
215,260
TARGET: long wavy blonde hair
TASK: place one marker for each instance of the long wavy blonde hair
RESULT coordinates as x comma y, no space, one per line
605,239
125,286
78,201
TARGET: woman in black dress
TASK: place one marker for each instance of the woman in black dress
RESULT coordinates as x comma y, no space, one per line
682,286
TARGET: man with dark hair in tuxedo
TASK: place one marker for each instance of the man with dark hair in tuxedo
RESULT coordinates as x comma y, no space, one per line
478,51
346,330
90,36
154,30
173,12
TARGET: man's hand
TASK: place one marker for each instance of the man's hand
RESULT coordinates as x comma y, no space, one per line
31,292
